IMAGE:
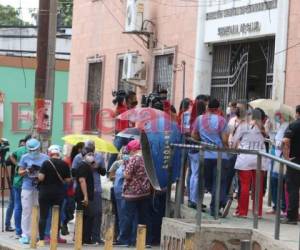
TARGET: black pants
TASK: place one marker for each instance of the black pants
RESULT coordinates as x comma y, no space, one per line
87,222
157,213
46,201
293,185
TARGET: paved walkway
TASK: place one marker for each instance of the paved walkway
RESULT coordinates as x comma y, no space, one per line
8,241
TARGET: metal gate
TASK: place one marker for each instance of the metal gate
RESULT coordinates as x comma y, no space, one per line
230,71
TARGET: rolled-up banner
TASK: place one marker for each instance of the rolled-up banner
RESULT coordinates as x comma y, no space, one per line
157,152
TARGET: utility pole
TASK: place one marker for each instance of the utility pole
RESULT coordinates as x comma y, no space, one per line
1,113
45,72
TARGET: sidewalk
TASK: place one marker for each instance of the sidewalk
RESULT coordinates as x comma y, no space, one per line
8,241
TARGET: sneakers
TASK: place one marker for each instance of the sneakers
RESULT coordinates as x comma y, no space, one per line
271,212
47,239
120,244
288,221
18,236
9,229
24,240
64,230
61,241
97,242
40,243
237,215
87,243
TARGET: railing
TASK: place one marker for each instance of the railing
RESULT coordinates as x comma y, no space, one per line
202,147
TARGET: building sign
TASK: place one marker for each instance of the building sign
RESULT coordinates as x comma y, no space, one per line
251,8
241,22
244,28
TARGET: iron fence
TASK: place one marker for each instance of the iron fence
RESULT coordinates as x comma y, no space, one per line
202,147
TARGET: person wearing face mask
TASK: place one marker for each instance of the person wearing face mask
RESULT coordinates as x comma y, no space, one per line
88,191
137,195
116,173
281,124
29,166
17,185
53,177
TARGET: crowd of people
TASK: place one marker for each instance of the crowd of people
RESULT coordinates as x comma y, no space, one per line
74,181
242,128
51,179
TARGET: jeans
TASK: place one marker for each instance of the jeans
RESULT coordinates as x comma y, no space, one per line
210,168
141,208
231,173
194,159
120,204
17,210
10,209
46,201
274,186
119,142
293,186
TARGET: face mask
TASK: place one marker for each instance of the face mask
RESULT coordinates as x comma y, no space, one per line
228,111
34,154
125,157
90,158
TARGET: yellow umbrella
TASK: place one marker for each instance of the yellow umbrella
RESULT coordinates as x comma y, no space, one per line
271,107
100,144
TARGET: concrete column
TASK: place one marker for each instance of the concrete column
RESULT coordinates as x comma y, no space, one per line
203,57
280,51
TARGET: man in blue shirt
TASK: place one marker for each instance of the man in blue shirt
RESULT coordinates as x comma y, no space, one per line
29,166
212,128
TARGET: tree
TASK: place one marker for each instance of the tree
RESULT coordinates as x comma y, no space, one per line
65,13
64,16
9,16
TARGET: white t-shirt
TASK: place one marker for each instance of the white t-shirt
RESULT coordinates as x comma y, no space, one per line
249,137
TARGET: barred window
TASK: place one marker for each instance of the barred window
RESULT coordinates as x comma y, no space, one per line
163,73
123,85
94,93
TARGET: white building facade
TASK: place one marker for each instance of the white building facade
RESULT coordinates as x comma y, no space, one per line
241,49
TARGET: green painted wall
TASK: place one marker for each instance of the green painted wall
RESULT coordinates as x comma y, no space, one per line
18,86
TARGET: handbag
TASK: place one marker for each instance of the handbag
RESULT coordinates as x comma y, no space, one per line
58,175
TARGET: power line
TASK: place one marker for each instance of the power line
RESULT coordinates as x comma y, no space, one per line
161,44
120,24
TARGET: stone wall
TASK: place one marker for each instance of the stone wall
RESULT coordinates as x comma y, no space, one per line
213,237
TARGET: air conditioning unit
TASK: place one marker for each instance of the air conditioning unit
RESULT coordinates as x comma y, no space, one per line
134,15
134,69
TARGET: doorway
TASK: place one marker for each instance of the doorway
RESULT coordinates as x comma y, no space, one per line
243,71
